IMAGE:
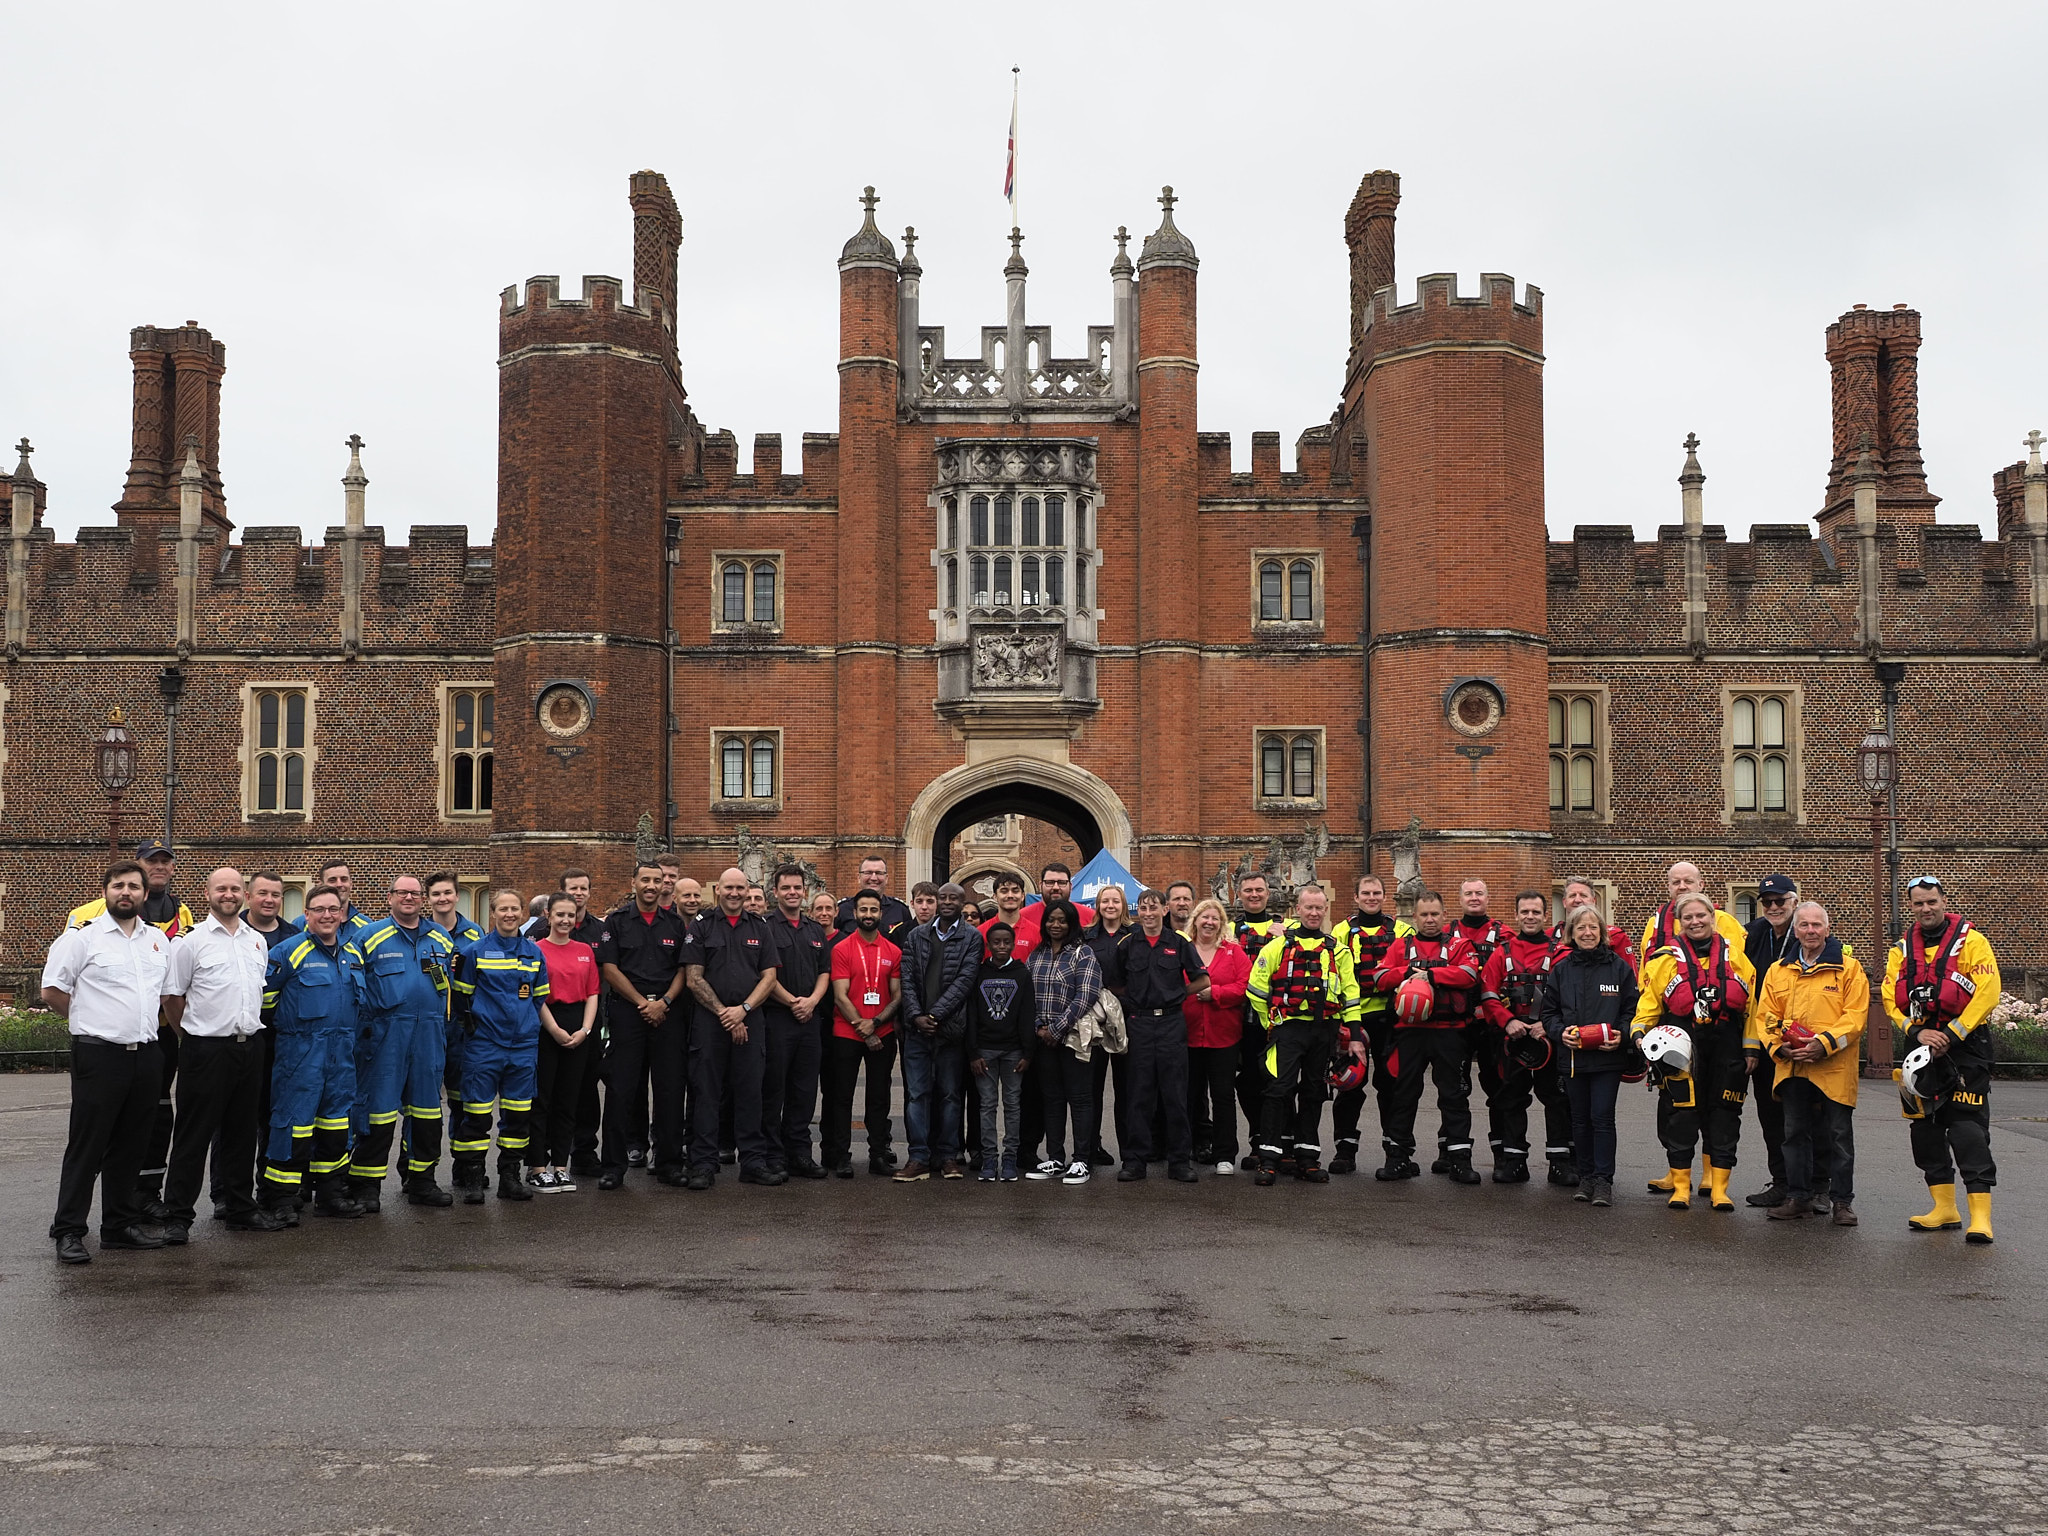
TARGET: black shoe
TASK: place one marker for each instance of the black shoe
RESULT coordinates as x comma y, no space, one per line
177,1233
1511,1170
844,1168
1312,1173
674,1178
154,1212
136,1237
337,1205
636,1157
881,1168
768,1176
729,1157
367,1193
1562,1172
421,1189
1440,1166
585,1166
701,1179
1397,1167
1131,1172
1768,1197
1462,1171
1100,1159
1249,1163
286,1211
1183,1173
470,1183
261,1219
888,1156
1266,1177
804,1168
1344,1162
71,1249
512,1183
611,1181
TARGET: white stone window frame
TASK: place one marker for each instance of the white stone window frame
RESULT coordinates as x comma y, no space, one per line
444,747
1286,624
472,899
951,620
1290,736
748,804
1600,750
1794,695
1740,892
751,558
251,724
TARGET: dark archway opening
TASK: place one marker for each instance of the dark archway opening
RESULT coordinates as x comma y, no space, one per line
1014,800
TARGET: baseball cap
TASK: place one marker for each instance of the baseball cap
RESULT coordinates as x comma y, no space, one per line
153,848
1776,885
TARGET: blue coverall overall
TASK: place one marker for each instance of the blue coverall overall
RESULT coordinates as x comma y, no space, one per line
399,1046
312,996
500,984
463,933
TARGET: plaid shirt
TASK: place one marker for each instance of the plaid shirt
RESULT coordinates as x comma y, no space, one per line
1067,985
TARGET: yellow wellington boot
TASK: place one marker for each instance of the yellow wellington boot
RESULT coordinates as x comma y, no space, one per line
1944,1217
1980,1219
1681,1189
1717,1188
1664,1186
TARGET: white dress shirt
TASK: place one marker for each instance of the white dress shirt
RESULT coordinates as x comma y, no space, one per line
220,976
115,979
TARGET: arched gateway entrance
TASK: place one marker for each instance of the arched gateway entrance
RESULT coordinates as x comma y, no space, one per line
1070,798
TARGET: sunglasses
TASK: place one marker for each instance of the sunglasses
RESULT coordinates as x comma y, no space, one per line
1774,901
1923,882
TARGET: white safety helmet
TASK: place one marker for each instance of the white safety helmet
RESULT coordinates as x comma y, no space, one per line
1923,1080
1668,1050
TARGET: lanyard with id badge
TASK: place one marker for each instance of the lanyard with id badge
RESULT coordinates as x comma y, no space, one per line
871,995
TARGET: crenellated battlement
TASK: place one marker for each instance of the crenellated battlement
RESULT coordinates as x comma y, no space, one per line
1312,478
719,478
1438,293
601,295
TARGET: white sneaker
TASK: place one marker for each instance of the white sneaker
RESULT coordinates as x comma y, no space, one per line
1226,1167
1045,1170
1077,1172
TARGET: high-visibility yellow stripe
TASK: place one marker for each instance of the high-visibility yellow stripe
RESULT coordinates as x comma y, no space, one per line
512,1143
301,1132
418,1165
324,1124
470,1146
298,952
335,1166
284,1176
363,1171
481,1109
515,1106
424,1111
384,1117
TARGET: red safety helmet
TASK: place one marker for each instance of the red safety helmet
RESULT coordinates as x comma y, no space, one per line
1346,1070
1414,1000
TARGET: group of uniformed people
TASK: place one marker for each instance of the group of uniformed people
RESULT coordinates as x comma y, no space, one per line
342,1035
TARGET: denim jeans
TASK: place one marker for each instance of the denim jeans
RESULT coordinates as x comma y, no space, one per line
1005,1082
1819,1149
932,1068
1593,1095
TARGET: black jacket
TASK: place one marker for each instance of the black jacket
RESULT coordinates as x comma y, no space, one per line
1002,1010
1765,949
959,958
1589,986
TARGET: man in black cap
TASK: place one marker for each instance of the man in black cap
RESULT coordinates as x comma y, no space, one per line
1767,941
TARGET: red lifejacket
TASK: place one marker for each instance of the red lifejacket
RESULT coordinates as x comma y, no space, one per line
1521,983
1300,984
1682,997
1484,939
1948,989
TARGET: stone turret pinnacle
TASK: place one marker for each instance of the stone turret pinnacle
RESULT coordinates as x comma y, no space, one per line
869,246
1167,246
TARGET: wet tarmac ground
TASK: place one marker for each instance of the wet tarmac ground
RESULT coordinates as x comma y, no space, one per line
859,1356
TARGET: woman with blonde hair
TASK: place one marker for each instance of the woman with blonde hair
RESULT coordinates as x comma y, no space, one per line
1589,999
1215,1032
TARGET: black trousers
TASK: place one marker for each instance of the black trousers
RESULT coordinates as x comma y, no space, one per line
220,1162
1252,1080
1508,1087
1439,1053
589,1108
1291,1122
844,1062
1066,1097
1770,1116
559,1073
1560,1131
222,1085
1349,1106
114,1092
1820,1144
1212,1101
1706,1107
636,1047
1956,1137
718,1064
789,1086
157,1155
1104,1071
1158,1075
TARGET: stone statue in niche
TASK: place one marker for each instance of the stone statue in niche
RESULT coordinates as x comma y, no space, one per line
1287,866
759,858
1017,661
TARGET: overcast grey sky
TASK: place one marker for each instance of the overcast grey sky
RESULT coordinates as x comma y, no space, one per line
339,193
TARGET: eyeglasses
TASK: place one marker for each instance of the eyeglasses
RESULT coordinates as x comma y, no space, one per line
1923,882
1774,901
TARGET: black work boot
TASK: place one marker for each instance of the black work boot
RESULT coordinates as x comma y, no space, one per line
1459,1167
1510,1169
367,1193
331,1198
1268,1174
421,1189
1562,1171
512,1183
1346,1160
469,1182
1399,1166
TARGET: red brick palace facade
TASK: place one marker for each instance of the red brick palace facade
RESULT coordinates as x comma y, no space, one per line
1019,582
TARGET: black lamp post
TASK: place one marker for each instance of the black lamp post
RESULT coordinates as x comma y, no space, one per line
1877,761
114,762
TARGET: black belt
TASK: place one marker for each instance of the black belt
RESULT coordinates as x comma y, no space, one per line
1158,1013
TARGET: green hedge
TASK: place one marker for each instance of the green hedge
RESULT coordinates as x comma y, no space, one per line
32,1029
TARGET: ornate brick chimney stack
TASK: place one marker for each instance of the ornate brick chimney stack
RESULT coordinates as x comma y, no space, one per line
1369,232
1874,363
657,237
177,396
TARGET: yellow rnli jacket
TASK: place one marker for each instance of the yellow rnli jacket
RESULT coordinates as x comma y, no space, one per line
1659,968
1831,997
